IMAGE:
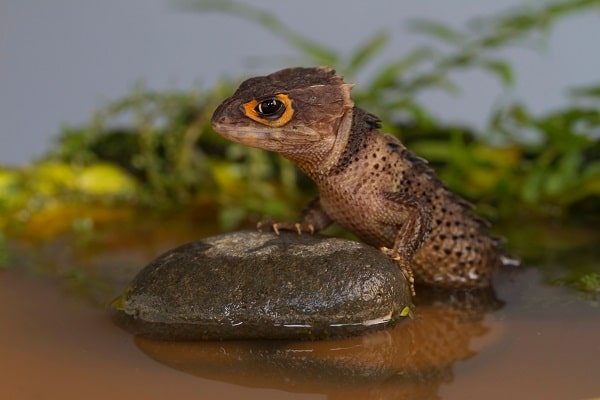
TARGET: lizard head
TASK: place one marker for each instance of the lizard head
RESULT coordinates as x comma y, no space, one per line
295,112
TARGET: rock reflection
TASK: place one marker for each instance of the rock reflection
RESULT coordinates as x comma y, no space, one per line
409,361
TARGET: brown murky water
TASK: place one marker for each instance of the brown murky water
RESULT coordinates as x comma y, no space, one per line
543,342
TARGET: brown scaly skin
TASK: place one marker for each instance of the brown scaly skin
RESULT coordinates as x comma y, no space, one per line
368,182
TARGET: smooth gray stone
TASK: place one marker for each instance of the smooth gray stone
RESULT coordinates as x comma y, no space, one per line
252,285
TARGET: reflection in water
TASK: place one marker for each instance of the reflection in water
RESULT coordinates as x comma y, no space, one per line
409,361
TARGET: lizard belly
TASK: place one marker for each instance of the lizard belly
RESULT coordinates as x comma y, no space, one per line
359,213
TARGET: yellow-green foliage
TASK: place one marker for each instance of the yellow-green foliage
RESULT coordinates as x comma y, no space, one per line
46,198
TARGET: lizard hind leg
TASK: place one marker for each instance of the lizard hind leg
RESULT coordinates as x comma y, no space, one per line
404,266
413,221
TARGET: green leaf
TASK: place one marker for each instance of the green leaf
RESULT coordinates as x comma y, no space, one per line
519,114
367,51
431,81
531,190
390,74
438,31
432,150
501,69
319,54
589,91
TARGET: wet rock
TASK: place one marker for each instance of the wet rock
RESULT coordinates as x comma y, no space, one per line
252,285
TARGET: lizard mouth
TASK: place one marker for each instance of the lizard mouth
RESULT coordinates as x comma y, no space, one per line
247,135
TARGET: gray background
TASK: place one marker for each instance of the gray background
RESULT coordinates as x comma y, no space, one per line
61,59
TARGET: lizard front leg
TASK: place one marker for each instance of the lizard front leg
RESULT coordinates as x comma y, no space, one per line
414,225
312,219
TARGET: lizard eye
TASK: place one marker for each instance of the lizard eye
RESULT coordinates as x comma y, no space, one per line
270,109
274,111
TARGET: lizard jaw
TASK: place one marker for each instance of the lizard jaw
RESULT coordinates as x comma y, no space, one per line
271,139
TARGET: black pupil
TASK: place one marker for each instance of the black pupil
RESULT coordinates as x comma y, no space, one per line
270,108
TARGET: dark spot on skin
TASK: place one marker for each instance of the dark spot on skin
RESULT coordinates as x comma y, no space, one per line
448,251
442,237
458,253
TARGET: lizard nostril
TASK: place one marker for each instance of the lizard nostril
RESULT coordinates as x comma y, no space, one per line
220,119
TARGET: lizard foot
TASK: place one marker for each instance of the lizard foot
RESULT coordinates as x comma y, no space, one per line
404,266
298,227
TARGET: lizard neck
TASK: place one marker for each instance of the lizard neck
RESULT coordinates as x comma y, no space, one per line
317,163
352,135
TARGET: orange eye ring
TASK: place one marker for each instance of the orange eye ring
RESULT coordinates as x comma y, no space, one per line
274,111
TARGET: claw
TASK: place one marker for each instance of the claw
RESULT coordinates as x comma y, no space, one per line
390,253
404,267
310,228
411,282
276,229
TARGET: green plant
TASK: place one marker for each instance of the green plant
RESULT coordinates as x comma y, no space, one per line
560,168
152,135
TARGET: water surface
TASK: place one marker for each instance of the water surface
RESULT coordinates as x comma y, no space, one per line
536,341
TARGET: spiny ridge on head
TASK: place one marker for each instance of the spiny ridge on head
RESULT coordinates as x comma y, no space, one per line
288,79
